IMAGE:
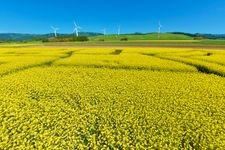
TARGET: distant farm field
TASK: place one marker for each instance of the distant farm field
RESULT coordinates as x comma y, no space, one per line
153,36
67,97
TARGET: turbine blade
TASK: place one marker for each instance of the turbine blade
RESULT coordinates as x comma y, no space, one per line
75,24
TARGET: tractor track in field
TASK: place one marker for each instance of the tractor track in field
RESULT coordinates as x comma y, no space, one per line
137,68
44,64
208,61
201,68
68,54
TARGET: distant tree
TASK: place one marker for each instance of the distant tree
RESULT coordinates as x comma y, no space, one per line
138,33
45,40
124,39
183,33
81,38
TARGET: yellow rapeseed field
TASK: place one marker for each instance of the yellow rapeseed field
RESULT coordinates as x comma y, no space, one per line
111,98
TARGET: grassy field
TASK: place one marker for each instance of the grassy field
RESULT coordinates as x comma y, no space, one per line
76,97
153,36
145,40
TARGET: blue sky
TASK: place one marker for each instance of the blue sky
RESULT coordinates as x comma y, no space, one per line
36,16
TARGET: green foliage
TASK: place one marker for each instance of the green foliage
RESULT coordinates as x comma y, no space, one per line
66,39
45,40
81,38
124,39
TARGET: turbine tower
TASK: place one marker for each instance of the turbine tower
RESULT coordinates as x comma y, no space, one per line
76,29
55,30
104,31
119,30
159,29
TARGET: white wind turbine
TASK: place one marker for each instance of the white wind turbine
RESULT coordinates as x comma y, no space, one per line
55,30
104,31
159,29
119,31
76,29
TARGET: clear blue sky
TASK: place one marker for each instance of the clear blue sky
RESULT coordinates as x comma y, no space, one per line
36,16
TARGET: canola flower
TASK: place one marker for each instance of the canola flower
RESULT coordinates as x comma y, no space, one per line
70,105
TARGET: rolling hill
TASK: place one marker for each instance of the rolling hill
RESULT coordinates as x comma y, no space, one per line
152,36
31,37
99,37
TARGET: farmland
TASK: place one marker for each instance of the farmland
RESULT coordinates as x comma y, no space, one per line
112,97
152,36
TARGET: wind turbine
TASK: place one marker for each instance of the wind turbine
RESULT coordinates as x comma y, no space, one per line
159,29
76,29
55,30
119,30
104,31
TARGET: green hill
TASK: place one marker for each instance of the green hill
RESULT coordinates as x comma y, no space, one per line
15,37
152,36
